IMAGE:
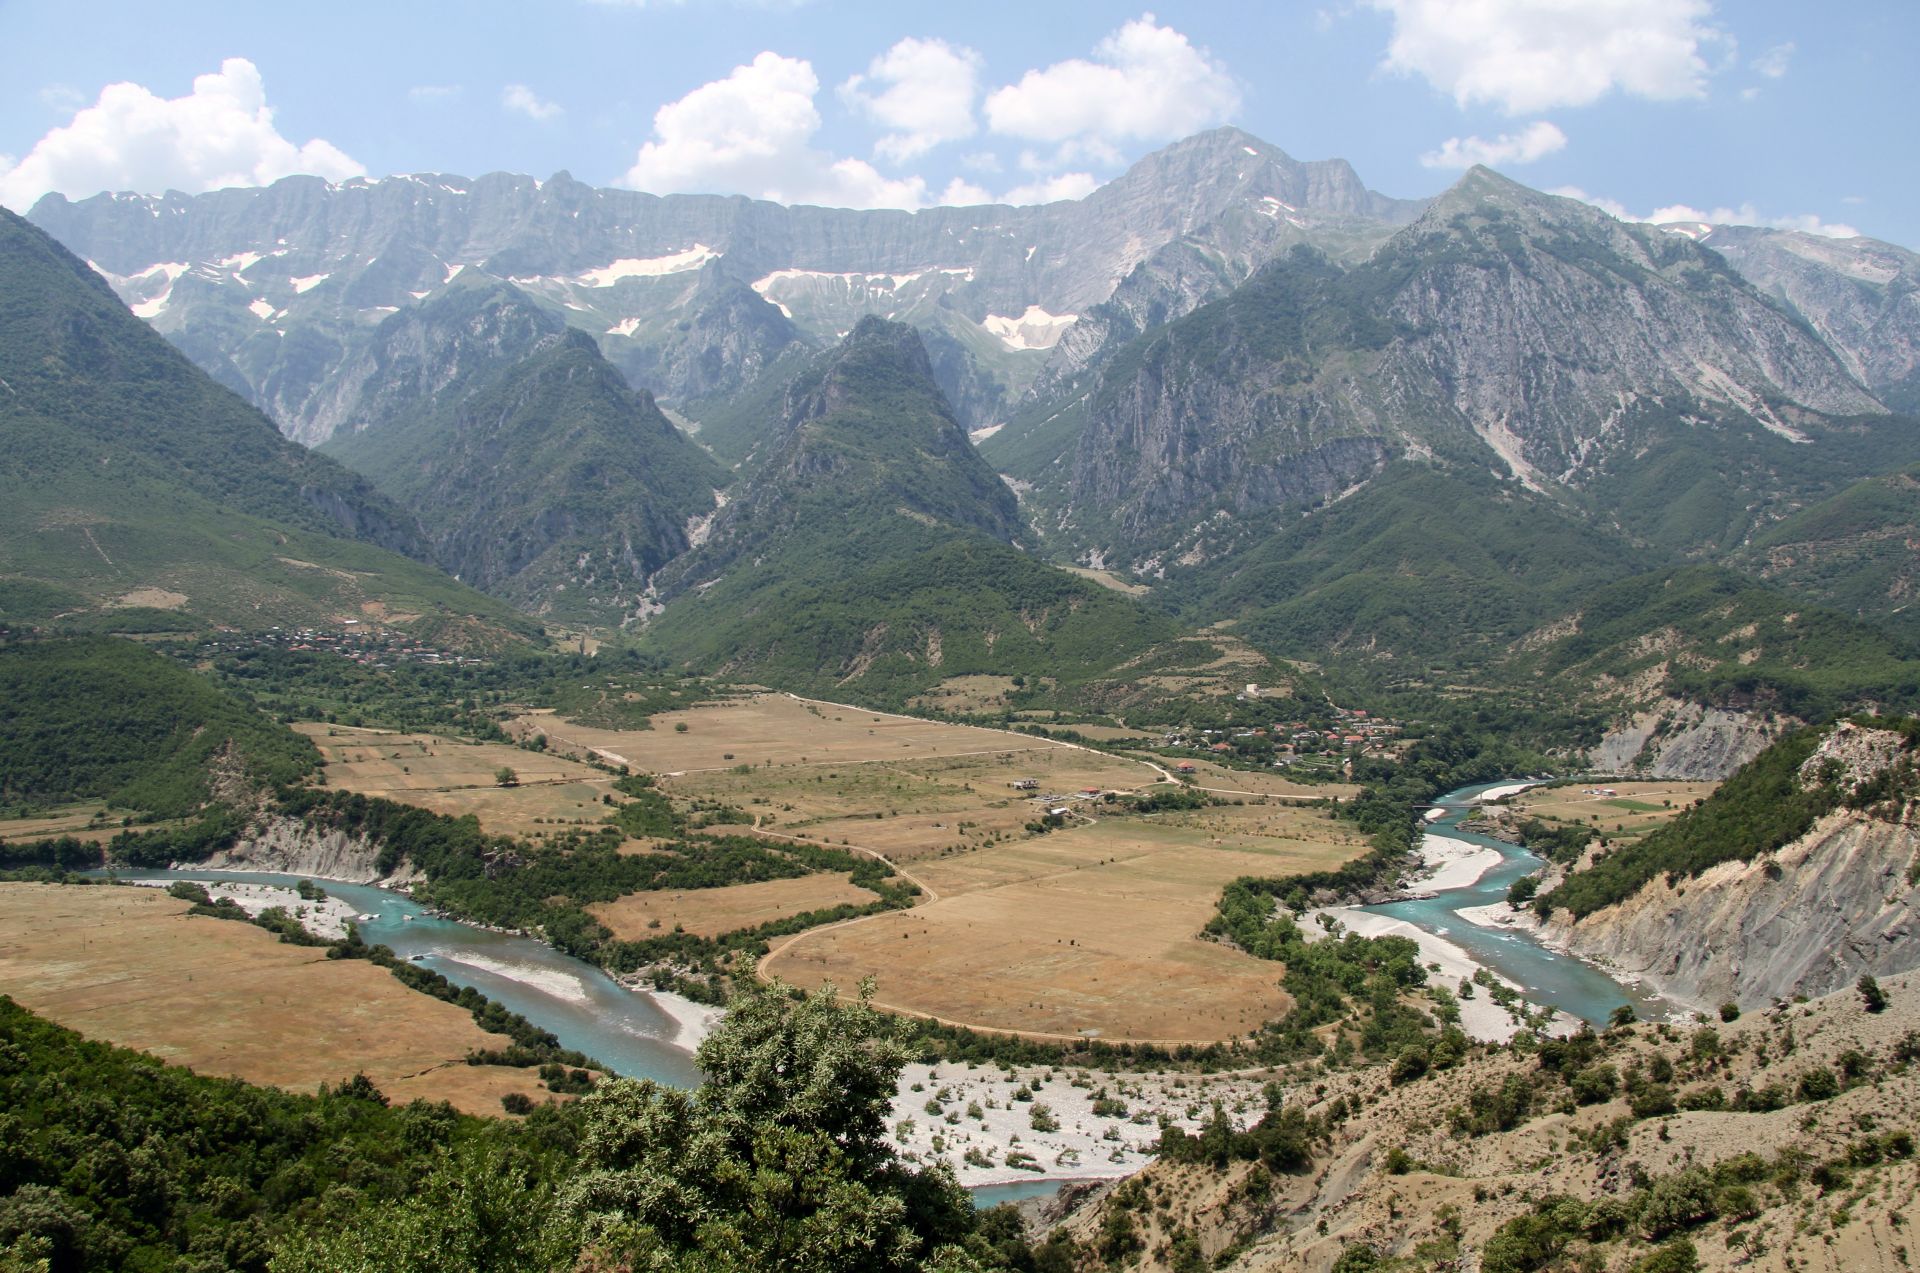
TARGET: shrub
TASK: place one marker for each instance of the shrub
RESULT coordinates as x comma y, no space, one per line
1595,1084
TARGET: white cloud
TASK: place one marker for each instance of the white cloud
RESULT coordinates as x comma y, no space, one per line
434,92
750,133
1146,83
1745,214
1773,63
923,90
1534,55
221,134
960,194
522,100
1536,141
1068,185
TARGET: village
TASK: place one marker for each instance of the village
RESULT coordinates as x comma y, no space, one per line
361,643
1318,745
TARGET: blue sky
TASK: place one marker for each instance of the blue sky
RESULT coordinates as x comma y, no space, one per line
1768,111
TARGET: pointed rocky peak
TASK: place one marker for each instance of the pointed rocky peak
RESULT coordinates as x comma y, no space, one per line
1481,190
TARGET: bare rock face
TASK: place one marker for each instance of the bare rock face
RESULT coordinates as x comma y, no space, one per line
1503,327
291,847
277,291
1678,739
1808,920
1861,295
1841,901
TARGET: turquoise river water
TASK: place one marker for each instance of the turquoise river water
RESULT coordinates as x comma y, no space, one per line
1546,977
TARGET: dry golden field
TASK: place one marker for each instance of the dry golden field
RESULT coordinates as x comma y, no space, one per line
772,729
456,777
130,966
1090,930
1634,809
709,912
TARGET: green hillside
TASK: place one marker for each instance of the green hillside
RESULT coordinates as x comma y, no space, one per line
545,480
1854,552
140,494
1717,637
1426,563
869,552
97,718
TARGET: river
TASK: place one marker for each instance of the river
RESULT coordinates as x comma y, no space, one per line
579,1004
628,1032
1545,976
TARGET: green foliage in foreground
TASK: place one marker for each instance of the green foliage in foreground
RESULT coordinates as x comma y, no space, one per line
115,1161
1762,807
110,1160
101,719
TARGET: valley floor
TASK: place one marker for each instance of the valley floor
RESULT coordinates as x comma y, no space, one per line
130,966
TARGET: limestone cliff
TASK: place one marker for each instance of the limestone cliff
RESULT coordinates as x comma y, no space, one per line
1807,919
291,847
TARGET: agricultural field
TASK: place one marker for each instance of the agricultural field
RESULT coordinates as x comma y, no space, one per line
130,966
90,822
709,912
1089,931
894,785
769,729
1633,809
456,777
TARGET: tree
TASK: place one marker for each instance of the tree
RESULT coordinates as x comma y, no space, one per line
504,776
779,1160
1870,992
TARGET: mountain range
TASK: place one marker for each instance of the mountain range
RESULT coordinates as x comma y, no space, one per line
1408,436
142,495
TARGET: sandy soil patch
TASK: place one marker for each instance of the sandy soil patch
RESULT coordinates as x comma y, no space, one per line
149,598
709,912
1108,579
1089,931
130,966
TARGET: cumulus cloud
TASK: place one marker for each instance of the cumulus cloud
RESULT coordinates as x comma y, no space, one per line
220,134
522,100
751,133
923,90
961,193
1536,141
1745,214
1773,63
1146,82
1067,185
1534,55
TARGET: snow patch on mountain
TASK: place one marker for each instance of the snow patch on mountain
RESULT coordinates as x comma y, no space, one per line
646,267
1035,329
